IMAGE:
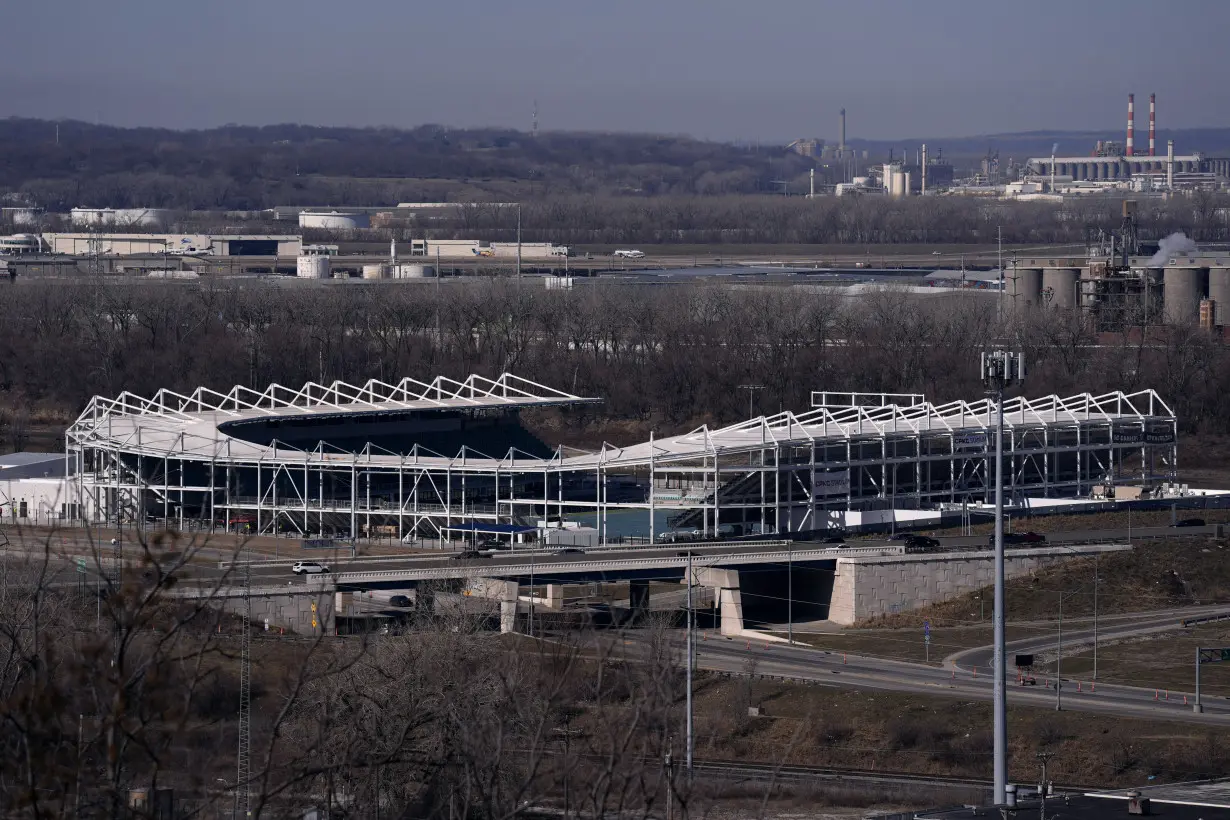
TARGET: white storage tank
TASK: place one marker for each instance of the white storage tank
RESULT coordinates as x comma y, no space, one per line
559,282
413,271
333,220
315,266
375,271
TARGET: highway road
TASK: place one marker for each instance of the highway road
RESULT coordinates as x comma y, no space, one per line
1081,634
965,674
215,561
961,679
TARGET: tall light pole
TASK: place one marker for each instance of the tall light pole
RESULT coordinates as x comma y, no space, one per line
1000,369
691,649
518,240
999,299
751,392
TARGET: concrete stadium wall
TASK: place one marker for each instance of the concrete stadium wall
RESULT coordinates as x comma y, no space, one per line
864,587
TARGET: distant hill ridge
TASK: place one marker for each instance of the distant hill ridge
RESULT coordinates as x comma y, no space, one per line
63,164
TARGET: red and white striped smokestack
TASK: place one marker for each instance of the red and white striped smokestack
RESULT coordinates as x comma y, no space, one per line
1131,135
1152,125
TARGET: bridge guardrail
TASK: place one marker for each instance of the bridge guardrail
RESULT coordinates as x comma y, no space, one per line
480,567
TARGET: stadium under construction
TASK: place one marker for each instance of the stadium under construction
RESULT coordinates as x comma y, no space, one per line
451,459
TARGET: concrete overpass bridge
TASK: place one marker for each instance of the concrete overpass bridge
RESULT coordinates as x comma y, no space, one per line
748,582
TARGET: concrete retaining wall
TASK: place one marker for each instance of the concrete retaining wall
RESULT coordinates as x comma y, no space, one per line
305,609
864,587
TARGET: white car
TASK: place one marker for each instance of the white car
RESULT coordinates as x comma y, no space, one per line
308,568
631,254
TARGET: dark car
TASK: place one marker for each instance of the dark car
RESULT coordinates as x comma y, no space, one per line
570,551
470,555
1189,522
921,543
835,538
399,600
1018,538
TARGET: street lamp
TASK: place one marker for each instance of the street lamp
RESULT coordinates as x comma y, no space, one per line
1096,579
751,393
1059,650
1000,369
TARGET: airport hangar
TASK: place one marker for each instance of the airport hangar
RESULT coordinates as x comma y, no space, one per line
450,458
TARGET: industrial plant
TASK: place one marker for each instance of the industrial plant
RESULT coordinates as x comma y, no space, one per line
1124,282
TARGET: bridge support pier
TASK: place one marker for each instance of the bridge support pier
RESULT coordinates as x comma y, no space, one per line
638,599
725,583
508,604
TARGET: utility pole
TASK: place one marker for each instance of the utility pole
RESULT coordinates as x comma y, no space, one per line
1059,659
1000,369
999,303
243,794
691,647
518,240
790,591
751,392
1095,617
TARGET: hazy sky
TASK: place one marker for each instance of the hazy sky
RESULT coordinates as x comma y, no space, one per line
754,69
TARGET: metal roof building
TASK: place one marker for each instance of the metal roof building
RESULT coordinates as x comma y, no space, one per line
421,459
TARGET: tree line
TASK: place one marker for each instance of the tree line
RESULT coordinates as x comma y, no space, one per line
68,164
663,357
848,220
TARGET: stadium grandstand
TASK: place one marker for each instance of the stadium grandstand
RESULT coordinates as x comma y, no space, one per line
447,458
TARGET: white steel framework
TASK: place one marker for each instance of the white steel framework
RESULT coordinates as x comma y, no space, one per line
200,460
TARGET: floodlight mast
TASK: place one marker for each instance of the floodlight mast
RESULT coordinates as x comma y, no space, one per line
1000,369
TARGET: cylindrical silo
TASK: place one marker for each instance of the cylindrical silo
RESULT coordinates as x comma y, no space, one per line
312,267
1182,290
375,271
1061,285
413,271
1027,289
1219,292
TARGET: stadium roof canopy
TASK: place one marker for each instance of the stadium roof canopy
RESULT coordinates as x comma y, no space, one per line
194,426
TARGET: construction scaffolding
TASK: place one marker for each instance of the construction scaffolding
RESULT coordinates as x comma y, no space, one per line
357,461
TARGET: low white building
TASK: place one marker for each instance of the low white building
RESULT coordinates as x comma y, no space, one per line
134,244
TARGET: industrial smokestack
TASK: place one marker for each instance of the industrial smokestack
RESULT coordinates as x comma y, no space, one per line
841,140
923,187
1152,125
1170,164
1131,135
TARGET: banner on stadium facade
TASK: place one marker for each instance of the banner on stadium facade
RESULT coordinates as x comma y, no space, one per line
835,482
